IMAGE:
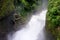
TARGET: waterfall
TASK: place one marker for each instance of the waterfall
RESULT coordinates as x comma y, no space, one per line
34,28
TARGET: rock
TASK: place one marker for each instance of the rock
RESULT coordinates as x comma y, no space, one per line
16,17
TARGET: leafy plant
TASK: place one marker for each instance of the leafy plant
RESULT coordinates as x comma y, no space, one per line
53,17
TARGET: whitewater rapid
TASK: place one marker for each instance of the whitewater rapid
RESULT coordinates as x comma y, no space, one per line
33,29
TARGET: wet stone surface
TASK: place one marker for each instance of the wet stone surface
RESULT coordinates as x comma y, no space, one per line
6,26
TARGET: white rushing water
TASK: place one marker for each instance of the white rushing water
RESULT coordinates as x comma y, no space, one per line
33,29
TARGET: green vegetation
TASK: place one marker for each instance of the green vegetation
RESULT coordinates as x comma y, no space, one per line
23,7
27,5
6,6
53,18
11,9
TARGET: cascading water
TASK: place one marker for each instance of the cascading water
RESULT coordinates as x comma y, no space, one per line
34,28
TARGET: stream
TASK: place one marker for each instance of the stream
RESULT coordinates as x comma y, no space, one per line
34,29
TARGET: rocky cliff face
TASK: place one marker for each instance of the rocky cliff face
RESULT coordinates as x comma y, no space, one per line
6,17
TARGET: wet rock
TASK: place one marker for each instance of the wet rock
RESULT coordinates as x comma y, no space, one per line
6,26
16,16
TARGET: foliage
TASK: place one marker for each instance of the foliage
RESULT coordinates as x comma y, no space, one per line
21,7
25,6
6,6
28,5
53,17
